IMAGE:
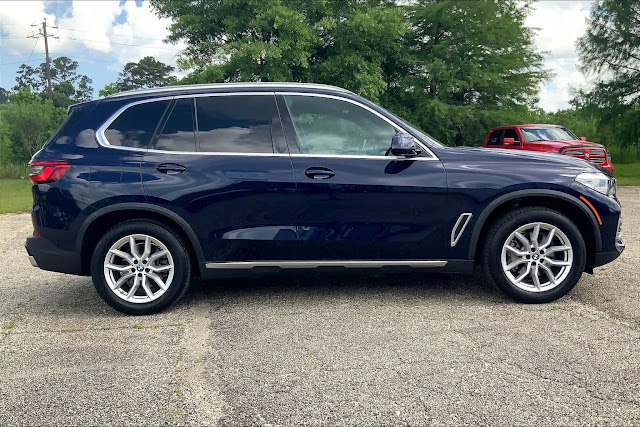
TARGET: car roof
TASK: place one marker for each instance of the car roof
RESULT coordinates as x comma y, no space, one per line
213,87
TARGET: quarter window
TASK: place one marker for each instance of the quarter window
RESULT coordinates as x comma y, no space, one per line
332,126
136,125
237,124
179,133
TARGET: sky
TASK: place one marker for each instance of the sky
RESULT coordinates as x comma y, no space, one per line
104,35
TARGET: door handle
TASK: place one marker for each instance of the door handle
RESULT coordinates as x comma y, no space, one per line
319,173
170,168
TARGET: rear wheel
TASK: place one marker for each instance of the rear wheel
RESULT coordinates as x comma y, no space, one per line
140,267
534,254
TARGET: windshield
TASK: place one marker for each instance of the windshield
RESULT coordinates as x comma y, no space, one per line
547,134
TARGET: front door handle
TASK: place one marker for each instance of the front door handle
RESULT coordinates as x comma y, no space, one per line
170,168
319,173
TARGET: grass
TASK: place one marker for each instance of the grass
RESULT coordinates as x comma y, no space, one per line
14,171
627,174
15,195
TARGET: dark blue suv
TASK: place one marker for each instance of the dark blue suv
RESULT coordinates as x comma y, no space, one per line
144,189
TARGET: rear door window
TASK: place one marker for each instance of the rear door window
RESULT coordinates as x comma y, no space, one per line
178,133
494,138
136,125
236,123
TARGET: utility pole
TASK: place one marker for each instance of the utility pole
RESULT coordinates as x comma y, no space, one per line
43,33
48,60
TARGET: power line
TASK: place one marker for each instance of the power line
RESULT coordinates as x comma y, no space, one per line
92,32
112,34
120,44
22,62
34,48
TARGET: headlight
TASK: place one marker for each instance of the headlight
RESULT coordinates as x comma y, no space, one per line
599,182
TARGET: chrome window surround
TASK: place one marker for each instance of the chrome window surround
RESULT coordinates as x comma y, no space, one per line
102,140
247,265
463,220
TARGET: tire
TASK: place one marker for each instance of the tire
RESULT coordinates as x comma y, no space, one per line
503,248
146,268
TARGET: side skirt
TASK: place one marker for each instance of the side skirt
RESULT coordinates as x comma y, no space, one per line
218,269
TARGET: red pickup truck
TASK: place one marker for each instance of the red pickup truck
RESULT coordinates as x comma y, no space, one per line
550,139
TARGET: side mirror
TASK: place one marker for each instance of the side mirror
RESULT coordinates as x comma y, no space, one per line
508,141
583,138
403,144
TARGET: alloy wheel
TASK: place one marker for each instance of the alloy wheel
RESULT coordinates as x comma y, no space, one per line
138,268
537,257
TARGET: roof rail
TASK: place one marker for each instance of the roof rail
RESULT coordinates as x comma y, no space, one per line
186,88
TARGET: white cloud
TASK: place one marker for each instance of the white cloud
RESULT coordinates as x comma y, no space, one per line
560,24
90,30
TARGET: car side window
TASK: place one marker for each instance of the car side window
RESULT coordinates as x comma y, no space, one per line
178,133
494,138
236,124
136,125
510,133
336,127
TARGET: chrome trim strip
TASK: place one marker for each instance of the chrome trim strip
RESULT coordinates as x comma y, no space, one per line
32,260
273,85
247,265
102,140
391,122
455,235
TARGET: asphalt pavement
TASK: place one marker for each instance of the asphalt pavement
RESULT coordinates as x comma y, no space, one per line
321,349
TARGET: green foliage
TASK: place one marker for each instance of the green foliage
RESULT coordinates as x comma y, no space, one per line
67,86
109,89
28,120
4,95
448,67
611,47
14,171
148,72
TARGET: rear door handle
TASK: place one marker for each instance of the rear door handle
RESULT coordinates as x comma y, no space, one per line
170,168
319,172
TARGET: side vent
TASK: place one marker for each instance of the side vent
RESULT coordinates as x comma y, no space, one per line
459,227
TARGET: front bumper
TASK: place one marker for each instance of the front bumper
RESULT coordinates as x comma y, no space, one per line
43,254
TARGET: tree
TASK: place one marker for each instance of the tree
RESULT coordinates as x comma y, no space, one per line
84,91
449,67
30,120
109,89
68,86
148,72
4,95
611,48
27,77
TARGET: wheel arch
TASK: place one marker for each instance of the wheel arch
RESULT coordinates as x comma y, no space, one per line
564,203
101,220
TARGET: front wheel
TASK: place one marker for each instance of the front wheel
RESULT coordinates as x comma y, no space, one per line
140,267
534,254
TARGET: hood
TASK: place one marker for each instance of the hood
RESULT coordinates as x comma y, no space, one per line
561,144
518,156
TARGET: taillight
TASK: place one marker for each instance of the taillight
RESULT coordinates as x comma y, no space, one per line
48,171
